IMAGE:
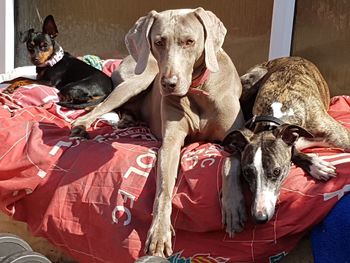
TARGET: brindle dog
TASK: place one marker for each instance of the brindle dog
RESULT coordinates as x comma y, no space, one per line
289,114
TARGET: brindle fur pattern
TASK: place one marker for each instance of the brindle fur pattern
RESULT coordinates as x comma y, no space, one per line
293,90
298,85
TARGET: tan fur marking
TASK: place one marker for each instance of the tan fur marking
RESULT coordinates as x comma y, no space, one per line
45,55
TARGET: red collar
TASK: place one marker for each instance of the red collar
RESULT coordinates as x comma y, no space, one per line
198,81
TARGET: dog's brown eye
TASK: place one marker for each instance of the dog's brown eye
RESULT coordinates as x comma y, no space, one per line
277,171
158,43
189,42
43,46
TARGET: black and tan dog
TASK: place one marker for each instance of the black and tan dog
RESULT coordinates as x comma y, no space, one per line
289,114
79,84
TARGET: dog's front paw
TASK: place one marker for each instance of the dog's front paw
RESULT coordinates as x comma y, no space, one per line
9,90
15,85
159,239
322,170
79,131
79,127
233,214
84,121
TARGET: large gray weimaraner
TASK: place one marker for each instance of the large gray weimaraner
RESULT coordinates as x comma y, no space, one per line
186,88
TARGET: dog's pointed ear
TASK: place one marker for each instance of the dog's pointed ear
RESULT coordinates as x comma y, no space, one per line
49,27
237,140
289,133
25,36
215,32
137,41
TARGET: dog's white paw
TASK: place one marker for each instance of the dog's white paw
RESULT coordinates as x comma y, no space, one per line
158,241
233,214
322,170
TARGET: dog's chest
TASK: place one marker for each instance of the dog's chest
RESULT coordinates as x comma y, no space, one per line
53,75
41,73
209,121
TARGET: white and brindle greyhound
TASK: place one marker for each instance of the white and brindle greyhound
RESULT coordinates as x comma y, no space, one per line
289,114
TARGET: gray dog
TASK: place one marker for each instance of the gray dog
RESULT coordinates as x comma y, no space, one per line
181,82
290,114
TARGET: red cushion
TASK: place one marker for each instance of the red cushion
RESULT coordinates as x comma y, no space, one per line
93,198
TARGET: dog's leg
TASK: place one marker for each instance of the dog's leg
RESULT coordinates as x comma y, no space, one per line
328,133
121,94
314,165
159,235
334,133
232,200
16,83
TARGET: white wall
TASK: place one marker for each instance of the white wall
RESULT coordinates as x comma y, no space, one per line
7,44
281,28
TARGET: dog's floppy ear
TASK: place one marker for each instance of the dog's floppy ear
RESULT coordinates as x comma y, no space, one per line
49,27
289,133
237,140
215,32
252,76
137,41
249,89
25,36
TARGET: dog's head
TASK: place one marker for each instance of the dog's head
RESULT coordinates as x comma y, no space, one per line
181,41
40,45
266,162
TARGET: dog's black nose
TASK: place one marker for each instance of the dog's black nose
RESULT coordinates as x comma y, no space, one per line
261,217
169,82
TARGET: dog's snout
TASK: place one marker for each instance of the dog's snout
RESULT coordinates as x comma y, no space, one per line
169,82
261,217
35,60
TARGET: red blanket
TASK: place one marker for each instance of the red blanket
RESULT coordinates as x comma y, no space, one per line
93,198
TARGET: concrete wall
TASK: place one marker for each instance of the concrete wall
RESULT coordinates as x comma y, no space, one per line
322,35
99,27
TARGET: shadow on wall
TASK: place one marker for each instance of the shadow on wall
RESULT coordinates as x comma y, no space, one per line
99,27
321,30
322,35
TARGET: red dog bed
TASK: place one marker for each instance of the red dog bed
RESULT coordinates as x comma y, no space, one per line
93,198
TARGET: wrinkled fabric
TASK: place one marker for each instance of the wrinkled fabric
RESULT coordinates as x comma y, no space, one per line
93,198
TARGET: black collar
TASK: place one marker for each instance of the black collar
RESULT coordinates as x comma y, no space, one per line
271,123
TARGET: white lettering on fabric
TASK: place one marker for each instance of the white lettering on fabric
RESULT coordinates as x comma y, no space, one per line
195,157
144,164
143,161
61,144
122,209
339,193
